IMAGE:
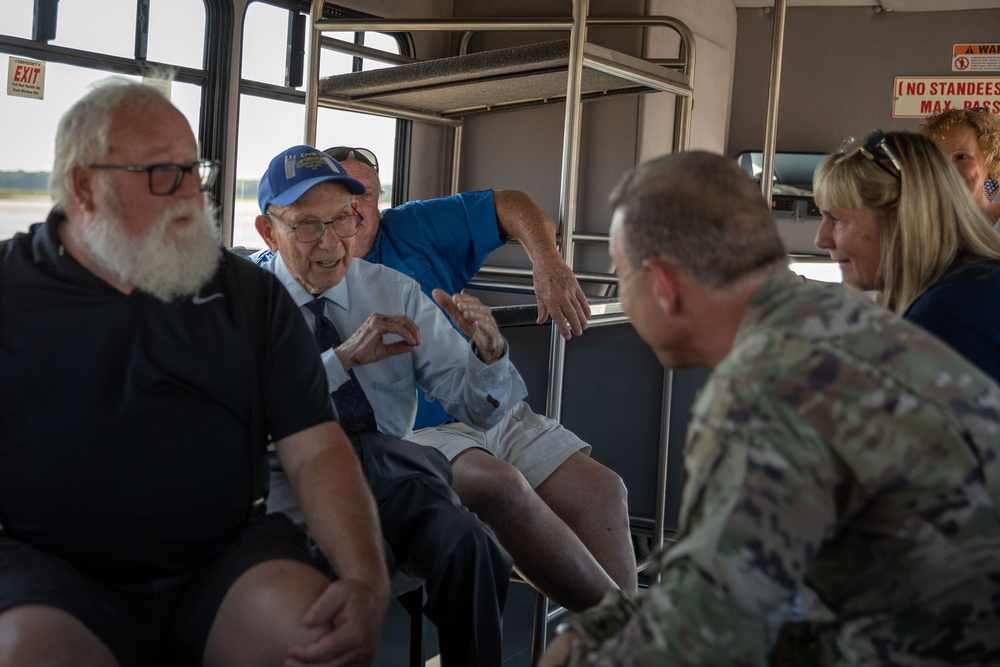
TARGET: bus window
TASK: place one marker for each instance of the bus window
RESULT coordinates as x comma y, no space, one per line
265,38
794,209
177,32
17,19
110,31
26,159
823,271
270,121
266,128
335,62
27,133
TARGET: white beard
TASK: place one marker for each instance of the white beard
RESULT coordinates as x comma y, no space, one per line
167,262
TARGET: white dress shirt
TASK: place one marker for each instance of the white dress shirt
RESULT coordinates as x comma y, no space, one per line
444,364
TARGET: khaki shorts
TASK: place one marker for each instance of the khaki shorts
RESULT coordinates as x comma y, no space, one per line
533,444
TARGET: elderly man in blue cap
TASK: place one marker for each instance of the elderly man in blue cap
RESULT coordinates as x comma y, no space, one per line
378,335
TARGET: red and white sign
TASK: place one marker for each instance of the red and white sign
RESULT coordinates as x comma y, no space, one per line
918,96
25,78
975,58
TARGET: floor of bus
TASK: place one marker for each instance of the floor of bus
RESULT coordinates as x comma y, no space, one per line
394,645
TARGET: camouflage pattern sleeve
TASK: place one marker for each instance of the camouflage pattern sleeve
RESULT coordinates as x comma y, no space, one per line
751,519
839,452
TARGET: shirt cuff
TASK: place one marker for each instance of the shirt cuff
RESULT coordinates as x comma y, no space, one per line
335,373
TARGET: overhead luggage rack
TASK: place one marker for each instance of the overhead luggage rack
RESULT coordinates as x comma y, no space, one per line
501,79
447,91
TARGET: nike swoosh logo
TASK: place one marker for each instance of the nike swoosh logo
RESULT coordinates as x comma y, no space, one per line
199,299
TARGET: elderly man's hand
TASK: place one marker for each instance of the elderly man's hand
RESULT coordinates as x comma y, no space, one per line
353,612
475,320
367,344
560,295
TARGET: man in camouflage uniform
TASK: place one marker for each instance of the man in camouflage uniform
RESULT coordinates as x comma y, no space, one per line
836,450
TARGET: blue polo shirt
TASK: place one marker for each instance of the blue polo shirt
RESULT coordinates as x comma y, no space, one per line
440,243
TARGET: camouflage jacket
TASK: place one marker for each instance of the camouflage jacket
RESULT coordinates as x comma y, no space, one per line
841,452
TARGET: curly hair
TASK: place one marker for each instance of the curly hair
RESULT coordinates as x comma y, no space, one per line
985,124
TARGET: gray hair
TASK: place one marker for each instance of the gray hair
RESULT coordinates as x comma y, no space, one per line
84,133
700,212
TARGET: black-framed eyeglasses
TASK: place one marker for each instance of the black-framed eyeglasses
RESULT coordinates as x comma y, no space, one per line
362,155
166,179
309,231
875,141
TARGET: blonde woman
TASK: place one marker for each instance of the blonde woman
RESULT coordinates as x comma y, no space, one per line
899,220
971,139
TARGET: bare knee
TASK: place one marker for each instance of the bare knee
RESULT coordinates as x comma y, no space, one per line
612,486
41,636
261,615
582,486
490,487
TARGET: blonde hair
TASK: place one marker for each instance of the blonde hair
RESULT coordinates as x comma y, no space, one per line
985,124
937,223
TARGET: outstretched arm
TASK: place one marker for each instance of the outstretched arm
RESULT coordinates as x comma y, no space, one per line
556,287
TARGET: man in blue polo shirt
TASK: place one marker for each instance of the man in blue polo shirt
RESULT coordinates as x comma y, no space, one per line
529,466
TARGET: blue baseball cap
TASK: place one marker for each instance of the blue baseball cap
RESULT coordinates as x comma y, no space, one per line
293,172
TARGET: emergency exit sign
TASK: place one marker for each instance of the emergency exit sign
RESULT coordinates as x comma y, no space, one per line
25,78
918,96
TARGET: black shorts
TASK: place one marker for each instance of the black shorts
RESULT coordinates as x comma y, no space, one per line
158,622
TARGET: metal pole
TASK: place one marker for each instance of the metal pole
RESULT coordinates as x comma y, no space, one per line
312,72
777,45
569,188
403,25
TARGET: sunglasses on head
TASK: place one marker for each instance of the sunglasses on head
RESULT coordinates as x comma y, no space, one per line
362,155
868,147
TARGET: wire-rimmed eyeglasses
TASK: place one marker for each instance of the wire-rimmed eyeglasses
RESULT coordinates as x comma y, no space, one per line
362,155
165,179
875,141
309,231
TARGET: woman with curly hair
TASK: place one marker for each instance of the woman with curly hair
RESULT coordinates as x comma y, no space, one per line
900,222
971,138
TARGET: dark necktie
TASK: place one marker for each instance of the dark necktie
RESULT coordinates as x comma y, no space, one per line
353,409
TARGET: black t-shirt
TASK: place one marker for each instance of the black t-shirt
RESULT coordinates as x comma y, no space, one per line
125,421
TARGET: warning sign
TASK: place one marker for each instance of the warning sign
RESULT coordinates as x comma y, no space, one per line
975,58
917,96
25,78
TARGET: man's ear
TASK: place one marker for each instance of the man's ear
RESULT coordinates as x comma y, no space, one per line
666,285
82,183
266,230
